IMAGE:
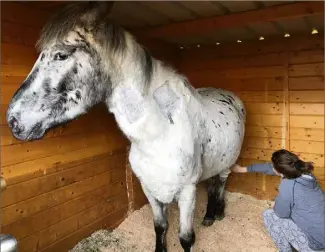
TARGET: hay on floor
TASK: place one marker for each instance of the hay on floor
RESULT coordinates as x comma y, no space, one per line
241,230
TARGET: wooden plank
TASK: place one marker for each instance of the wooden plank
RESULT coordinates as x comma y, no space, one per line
73,128
314,122
25,190
29,244
40,167
244,183
317,159
256,84
19,34
261,96
22,14
315,69
271,186
308,56
200,26
274,108
84,124
307,83
47,218
139,199
268,132
264,120
286,114
16,71
272,59
7,93
240,73
296,43
319,174
17,55
256,154
47,147
107,222
307,96
307,109
263,143
307,146
24,209
306,134
84,218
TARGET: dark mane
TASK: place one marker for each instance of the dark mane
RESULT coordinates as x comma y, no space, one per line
84,14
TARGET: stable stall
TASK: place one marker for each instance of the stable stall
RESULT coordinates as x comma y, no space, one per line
77,179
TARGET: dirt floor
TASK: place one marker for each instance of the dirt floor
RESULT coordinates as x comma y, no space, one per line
240,231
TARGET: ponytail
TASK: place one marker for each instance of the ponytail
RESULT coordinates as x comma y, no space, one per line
288,164
303,167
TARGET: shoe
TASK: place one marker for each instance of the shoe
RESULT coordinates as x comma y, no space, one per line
293,249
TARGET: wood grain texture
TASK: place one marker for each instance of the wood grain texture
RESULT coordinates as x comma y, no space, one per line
271,59
31,188
307,83
24,209
314,96
71,182
313,69
283,97
276,45
307,134
43,220
204,25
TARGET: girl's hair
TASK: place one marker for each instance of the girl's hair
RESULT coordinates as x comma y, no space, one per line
290,165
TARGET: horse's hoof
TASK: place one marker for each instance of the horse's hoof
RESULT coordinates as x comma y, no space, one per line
207,222
220,217
161,249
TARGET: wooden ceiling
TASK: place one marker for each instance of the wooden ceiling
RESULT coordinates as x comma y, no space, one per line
157,19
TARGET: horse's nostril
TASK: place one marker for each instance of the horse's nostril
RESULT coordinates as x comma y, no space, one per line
13,124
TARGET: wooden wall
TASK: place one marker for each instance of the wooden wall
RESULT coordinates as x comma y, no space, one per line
72,182
282,85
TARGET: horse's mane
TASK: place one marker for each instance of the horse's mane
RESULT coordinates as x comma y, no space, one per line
83,14
93,17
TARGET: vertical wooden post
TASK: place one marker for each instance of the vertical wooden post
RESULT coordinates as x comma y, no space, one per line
286,116
129,183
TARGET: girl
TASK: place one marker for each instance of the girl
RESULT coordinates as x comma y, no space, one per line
297,218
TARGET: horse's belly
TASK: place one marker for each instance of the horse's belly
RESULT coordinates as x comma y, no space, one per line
226,127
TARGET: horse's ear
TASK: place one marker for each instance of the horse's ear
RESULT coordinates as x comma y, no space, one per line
98,11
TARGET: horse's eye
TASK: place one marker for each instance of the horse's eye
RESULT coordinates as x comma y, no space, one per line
60,56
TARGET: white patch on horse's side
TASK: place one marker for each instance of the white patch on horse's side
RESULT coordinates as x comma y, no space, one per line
133,104
167,100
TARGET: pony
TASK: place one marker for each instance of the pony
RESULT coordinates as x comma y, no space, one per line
179,135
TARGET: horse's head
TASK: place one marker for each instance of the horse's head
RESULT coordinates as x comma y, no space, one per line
67,78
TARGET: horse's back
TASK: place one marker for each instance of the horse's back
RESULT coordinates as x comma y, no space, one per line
219,95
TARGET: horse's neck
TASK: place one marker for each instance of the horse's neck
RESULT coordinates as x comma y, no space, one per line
131,104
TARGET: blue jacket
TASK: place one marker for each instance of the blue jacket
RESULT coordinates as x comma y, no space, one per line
301,200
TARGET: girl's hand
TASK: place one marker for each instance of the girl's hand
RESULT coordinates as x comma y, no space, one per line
238,169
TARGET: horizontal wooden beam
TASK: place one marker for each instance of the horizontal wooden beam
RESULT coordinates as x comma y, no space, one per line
204,25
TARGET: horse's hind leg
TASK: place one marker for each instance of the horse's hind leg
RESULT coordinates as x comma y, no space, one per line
216,201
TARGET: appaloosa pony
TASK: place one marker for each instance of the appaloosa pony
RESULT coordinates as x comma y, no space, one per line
179,135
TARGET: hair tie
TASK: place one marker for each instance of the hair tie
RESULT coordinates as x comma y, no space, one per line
297,165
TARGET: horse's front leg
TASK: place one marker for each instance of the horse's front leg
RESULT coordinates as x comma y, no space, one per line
160,218
186,204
